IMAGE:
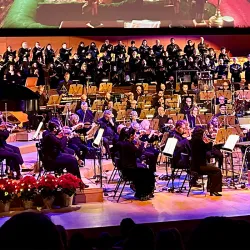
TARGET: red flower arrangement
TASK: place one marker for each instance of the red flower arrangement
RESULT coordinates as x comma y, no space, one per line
7,190
68,184
27,188
47,186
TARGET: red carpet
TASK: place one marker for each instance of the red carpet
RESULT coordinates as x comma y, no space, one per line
238,9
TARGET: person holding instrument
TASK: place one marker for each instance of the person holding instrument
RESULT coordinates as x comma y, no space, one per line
199,143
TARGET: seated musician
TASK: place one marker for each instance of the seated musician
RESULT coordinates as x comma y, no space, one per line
199,163
156,102
192,116
179,130
64,85
110,106
107,122
75,141
138,91
134,117
187,106
215,152
169,125
85,115
215,123
162,118
42,96
134,108
82,99
54,155
225,86
184,89
223,110
142,178
11,153
221,100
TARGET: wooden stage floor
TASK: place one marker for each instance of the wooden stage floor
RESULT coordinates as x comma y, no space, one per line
164,207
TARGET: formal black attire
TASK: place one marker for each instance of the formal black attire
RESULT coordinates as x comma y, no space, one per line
63,87
64,54
37,54
132,49
235,70
199,164
162,121
10,153
246,68
109,133
49,56
23,53
108,48
142,178
55,158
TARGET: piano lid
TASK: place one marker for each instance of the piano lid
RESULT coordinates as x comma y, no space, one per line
9,92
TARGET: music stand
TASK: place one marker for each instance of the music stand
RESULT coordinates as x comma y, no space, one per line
75,89
222,135
154,124
228,151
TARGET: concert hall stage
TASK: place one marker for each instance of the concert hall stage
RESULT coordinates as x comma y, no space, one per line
164,210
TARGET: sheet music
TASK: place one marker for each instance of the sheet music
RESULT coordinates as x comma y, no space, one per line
231,142
170,146
98,138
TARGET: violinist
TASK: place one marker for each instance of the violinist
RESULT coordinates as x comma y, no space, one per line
142,178
192,116
169,125
179,130
85,115
53,151
107,122
110,107
162,118
199,162
10,153
134,117
215,152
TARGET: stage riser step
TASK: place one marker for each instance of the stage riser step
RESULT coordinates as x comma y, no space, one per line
89,195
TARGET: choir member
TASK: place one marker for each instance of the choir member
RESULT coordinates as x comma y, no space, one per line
107,47
235,70
82,50
224,56
49,54
189,48
119,49
173,48
246,68
9,53
144,50
37,53
65,53
24,52
158,49
132,48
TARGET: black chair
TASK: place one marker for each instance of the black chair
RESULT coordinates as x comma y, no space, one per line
43,168
193,177
123,179
114,172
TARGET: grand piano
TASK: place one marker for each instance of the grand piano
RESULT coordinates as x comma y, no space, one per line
17,100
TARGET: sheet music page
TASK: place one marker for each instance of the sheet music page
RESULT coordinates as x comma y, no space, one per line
170,146
231,141
98,138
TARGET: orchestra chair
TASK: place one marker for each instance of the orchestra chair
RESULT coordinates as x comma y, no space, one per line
97,105
92,90
103,87
109,87
43,169
145,87
176,173
117,105
122,179
143,114
114,172
121,115
196,176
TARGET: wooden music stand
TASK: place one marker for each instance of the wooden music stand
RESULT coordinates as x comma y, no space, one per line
200,119
18,115
121,114
128,113
154,124
238,130
243,94
71,107
31,83
76,89
223,134
230,120
54,100
207,95
226,93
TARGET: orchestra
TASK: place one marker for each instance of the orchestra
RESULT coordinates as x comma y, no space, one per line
192,100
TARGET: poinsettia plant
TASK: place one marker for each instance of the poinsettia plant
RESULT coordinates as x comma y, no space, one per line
68,183
27,188
47,186
7,190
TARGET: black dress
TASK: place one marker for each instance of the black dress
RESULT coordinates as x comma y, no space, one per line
199,164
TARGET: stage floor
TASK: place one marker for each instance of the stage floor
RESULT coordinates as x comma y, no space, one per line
164,207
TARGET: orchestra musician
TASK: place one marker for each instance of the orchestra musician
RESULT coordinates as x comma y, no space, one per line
199,163
85,114
142,178
162,117
192,116
107,122
64,85
187,106
54,155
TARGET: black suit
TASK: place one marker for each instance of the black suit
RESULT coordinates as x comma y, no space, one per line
199,164
55,158
85,116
